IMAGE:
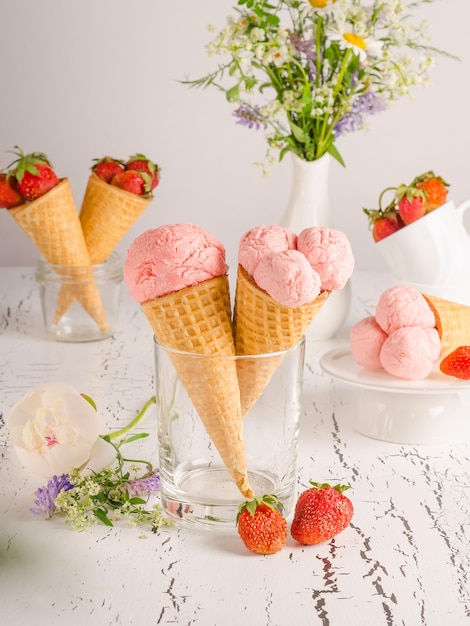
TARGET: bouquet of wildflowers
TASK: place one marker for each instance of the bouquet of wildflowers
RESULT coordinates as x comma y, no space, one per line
307,71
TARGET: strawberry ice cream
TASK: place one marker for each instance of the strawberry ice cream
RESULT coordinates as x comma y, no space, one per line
329,253
402,306
367,339
263,240
288,278
169,258
411,352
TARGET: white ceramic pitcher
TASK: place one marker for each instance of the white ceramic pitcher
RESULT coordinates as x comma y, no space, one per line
433,251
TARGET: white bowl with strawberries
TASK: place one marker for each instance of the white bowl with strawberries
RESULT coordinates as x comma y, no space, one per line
422,237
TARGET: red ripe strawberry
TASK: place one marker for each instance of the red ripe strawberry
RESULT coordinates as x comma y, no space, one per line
107,167
141,163
411,204
132,181
457,363
261,525
321,513
434,188
384,222
9,194
33,174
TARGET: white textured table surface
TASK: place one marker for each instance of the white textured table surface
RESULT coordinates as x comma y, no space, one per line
405,559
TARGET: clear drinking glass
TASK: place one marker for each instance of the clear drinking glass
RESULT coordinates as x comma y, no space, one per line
197,489
80,303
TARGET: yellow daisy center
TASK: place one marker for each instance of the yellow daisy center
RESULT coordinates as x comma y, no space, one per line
355,40
320,4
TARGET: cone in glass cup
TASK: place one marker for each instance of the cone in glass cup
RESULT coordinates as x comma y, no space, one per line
195,319
452,323
261,326
106,215
283,281
51,222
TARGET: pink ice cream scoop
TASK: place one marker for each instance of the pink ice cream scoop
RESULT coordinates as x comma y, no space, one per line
263,240
411,352
329,253
402,306
169,258
288,278
367,339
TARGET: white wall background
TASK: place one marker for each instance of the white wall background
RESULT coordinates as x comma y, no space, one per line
83,79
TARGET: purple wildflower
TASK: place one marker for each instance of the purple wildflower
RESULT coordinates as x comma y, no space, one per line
250,117
305,47
365,104
45,496
143,486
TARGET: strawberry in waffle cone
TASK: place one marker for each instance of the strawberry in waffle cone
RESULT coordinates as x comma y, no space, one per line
282,283
50,219
116,195
178,275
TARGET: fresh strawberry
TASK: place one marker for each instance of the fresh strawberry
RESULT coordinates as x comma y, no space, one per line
141,163
261,525
133,181
434,188
457,363
321,513
384,222
411,203
107,167
33,174
9,194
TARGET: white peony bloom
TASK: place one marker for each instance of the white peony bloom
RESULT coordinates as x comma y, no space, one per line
54,430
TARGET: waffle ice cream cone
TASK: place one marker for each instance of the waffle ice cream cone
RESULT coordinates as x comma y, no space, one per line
197,319
262,325
52,223
106,215
452,323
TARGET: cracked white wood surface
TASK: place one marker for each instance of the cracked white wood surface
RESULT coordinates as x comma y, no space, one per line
404,561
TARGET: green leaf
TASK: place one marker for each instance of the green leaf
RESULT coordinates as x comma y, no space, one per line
298,133
233,94
137,500
101,515
135,437
335,154
89,400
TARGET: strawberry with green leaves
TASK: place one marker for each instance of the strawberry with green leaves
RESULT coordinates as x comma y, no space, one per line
261,525
383,223
411,204
107,167
133,181
457,363
321,512
33,173
9,194
434,188
424,194
141,163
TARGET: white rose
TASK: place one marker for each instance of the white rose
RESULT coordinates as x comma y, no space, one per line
54,430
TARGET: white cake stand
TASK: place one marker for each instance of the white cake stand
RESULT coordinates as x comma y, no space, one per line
433,410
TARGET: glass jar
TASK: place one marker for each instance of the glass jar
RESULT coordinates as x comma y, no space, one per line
80,303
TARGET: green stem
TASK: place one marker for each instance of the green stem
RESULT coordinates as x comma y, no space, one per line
135,421
141,462
327,128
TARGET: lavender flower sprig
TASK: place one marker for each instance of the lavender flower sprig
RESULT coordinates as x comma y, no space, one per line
115,492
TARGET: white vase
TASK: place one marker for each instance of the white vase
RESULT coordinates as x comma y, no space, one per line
308,206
